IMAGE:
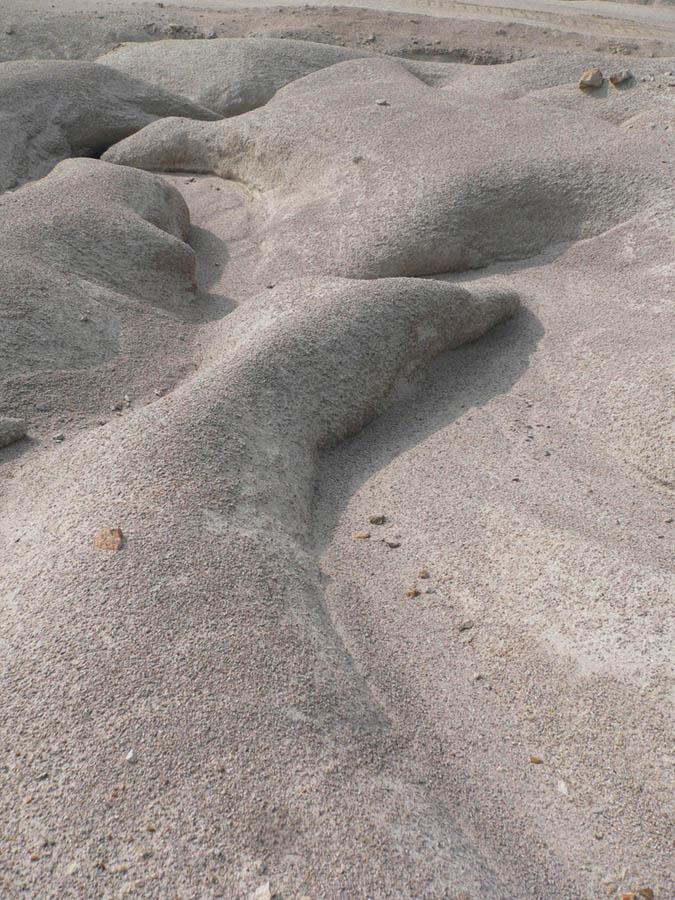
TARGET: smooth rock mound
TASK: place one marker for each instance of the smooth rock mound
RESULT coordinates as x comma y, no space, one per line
95,108
82,248
212,488
229,76
423,185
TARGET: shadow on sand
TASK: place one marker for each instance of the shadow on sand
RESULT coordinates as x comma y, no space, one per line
455,381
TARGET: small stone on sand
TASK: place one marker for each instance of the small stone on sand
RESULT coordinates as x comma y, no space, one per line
593,78
11,430
109,539
621,77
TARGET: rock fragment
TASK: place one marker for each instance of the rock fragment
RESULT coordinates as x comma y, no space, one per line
593,78
109,539
621,77
132,756
362,535
11,430
377,520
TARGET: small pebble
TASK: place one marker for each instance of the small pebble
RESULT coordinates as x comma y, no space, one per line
393,544
377,520
382,102
362,535
109,539
11,430
593,78
59,437
466,625
536,760
621,77
131,756
413,592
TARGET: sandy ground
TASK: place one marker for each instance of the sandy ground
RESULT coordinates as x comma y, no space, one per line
376,380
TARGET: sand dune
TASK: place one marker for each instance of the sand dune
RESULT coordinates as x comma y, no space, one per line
371,369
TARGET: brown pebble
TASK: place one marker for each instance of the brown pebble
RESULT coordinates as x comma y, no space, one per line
645,892
537,760
593,78
362,535
424,574
377,520
109,539
630,896
413,592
